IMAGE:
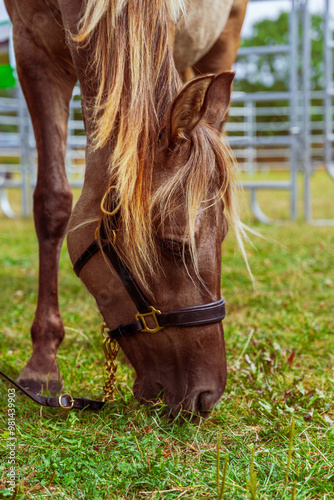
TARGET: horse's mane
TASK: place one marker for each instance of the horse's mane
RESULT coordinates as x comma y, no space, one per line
136,82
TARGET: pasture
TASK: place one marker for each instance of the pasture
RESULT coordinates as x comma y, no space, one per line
274,425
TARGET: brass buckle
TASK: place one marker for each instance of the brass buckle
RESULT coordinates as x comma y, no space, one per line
71,399
153,313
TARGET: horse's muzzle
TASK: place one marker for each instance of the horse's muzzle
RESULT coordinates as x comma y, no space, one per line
198,403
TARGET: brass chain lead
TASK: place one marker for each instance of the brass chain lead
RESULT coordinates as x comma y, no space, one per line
111,349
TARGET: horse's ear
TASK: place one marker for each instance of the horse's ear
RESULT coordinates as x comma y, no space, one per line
188,108
218,99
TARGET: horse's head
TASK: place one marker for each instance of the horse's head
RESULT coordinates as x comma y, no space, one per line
190,188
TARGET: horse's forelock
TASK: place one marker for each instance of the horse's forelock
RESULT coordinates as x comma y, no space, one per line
207,176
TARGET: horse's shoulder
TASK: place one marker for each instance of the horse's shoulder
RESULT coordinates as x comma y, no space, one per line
199,29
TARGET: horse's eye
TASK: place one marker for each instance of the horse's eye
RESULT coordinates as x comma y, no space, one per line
176,248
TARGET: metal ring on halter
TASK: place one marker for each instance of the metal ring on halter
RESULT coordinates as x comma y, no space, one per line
97,231
70,406
106,212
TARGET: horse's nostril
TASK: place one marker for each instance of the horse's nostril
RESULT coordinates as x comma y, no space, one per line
147,393
197,405
205,403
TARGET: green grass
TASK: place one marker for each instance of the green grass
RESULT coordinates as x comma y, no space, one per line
275,420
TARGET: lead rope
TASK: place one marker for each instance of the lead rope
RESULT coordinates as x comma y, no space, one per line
111,349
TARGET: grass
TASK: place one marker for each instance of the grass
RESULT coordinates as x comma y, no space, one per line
274,424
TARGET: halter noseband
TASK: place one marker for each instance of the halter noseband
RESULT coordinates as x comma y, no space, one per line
203,314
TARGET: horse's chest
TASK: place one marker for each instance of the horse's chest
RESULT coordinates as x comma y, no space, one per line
196,34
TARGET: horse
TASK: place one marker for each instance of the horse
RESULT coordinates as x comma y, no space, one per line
159,182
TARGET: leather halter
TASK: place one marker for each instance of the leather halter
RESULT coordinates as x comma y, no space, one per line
198,315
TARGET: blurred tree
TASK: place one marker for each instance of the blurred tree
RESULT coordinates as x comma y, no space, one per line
271,71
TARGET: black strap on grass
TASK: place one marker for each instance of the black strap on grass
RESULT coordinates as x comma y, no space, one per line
64,401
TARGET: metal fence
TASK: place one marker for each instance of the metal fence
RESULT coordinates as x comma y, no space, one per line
291,130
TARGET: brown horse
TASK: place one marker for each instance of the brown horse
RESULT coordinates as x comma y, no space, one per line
158,144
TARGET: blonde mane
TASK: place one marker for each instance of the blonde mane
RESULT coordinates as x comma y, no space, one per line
136,82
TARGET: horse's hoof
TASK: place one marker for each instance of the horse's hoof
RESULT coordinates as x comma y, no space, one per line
53,387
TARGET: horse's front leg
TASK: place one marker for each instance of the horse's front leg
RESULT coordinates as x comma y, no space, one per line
47,80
